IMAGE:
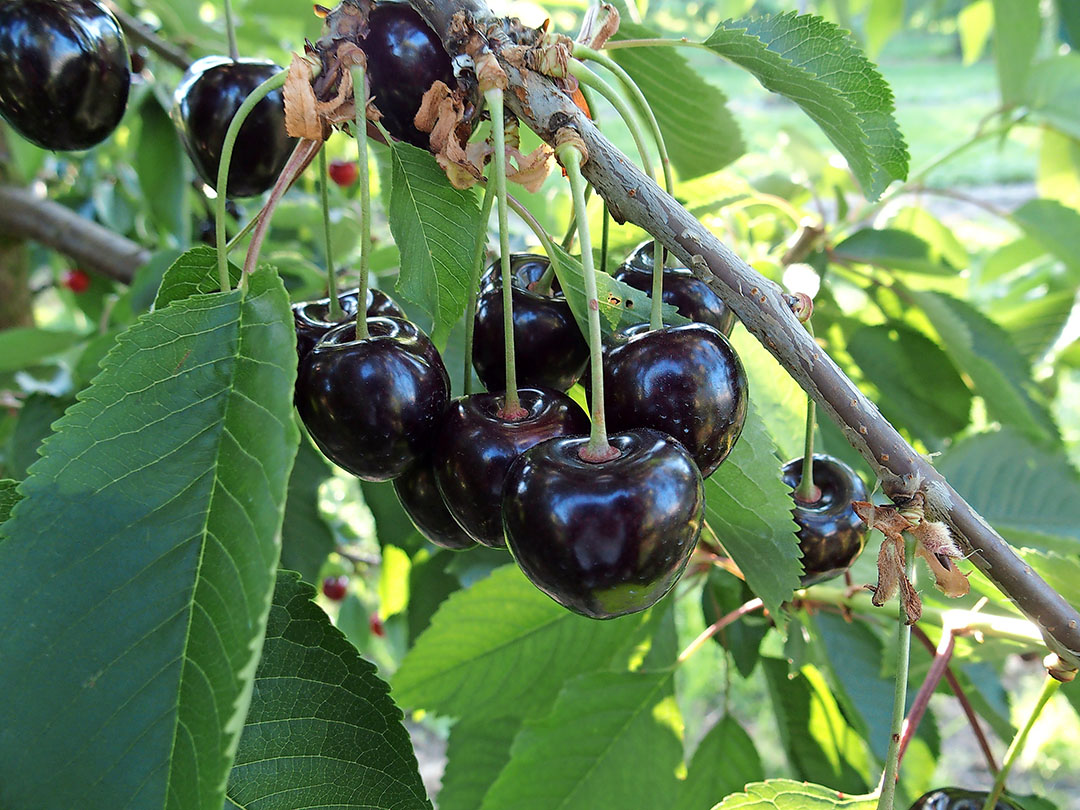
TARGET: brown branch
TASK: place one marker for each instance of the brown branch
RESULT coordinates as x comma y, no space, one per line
942,655
761,306
142,34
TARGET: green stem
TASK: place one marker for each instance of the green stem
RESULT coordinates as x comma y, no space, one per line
571,226
511,403
474,282
807,491
360,93
619,44
256,95
336,312
605,234
231,246
903,655
543,285
1050,687
598,448
230,31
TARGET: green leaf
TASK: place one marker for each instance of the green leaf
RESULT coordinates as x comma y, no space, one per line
306,539
1061,572
26,346
145,546
818,740
982,350
435,227
322,730
503,649
894,249
701,134
725,761
1069,14
194,273
9,496
1016,37
430,583
36,418
392,525
1053,92
1035,323
885,18
477,753
920,388
393,581
777,397
723,593
1055,227
975,22
1027,492
612,739
815,64
1058,176
945,247
749,508
160,162
784,794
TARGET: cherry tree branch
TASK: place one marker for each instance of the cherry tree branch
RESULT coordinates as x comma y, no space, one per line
138,32
761,306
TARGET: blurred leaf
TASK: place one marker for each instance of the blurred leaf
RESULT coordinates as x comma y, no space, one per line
723,593
392,525
23,347
477,752
749,508
884,19
975,22
1055,227
1017,24
817,65
429,585
1061,572
1069,15
1059,168
318,708
982,350
503,649
8,498
393,581
34,425
306,539
784,794
701,134
1027,492
894,249
93,352
161,164
147,539
725,761
435,227
1053,92
1035,324
944,246
612,739
919,386
1010,257
353,621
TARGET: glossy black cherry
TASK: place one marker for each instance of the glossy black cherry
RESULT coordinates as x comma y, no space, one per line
686,381
64,71
312,318
419,497
405,57
205,101
682,289
551,351
831,535
958,799
373,405
477,444
609,538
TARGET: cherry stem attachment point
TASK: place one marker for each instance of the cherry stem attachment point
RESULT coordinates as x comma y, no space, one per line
1050,687
335,310
474,282
717,626
808,491
359,81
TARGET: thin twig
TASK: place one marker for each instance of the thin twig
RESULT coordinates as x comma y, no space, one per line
942,655
718,625
140,33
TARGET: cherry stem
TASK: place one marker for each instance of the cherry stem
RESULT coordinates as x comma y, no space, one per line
571,226
903,659
474,282
230,31
808,491
232,243
598,448
614,45
717,626
543,285
511,408
335,310
227,146
938,667
359,81
1050,687
605,233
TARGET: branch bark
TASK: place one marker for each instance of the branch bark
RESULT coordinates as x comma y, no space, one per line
761,306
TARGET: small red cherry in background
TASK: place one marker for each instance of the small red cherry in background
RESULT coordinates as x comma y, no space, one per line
376,625
78,281
343,172
335,587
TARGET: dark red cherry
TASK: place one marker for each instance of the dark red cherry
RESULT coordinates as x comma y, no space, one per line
831,535
686,381
405,57
551,352
209,94
76,280
343,172
335,588
609,538
419,497
682,289
373,405
64,71
312,318
375,624
477,444
957,799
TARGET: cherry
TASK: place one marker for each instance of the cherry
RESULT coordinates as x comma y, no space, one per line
78,281
682,289
64,71
477,443
419,497
335,587
551,352
405,57
831,535
343,172
209,94
957,799
686,381
373,405
604,538
376,626
312,318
